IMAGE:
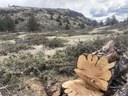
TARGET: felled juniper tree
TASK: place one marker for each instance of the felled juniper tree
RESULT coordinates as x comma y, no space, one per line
102,73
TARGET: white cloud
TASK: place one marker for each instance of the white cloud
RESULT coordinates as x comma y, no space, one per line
96,9
105,8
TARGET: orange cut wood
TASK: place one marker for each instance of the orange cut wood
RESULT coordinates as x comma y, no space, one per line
79,88
94,70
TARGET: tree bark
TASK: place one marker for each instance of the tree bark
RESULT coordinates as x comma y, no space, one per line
123,91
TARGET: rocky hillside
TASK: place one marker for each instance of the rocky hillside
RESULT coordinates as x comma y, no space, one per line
47,18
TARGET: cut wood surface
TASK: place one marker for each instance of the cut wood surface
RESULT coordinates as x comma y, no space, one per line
95,71
79,88
94,74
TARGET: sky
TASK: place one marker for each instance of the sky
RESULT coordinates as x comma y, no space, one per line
94,9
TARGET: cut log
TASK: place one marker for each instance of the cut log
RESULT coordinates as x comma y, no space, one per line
79,88
95,71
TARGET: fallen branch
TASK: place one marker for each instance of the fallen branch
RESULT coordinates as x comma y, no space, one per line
4,87
123,91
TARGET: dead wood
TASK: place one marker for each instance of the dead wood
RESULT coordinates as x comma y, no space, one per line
119,73
123,91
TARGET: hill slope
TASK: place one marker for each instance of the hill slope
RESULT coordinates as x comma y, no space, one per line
48,18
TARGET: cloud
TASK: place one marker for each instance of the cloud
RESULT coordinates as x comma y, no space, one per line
96,9
98,12
120,9
110,7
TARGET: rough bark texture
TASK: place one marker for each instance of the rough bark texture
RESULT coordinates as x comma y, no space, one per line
123,91
118,86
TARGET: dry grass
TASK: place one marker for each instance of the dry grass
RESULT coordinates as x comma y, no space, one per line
8,36
7,47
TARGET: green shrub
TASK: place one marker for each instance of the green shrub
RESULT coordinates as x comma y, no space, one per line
72,52
56,42
67,58
7,47
21,61
121,41
83,47
36,39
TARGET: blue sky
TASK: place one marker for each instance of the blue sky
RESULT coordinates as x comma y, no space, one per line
95,9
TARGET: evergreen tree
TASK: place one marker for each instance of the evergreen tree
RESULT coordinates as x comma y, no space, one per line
67,27
8,24
108,21
127,20
51,17
1,25
58,18
74,23
33,25
94,23
82,26
60,23
67,21
114,20
101,23
111,21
